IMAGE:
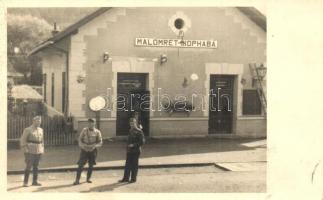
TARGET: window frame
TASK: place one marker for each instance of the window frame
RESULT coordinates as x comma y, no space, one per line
250,113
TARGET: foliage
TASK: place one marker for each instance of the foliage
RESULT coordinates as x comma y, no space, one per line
62,16
10,100
27,27
25,32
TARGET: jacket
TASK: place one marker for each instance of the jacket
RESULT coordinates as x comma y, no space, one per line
32,140
137,138
89,140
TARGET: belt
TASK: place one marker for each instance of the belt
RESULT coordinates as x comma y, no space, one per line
90,143
34,142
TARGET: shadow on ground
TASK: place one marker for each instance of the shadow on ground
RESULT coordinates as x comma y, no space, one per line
14,188
106,188
42,189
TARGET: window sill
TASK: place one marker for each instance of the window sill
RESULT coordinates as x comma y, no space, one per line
251,117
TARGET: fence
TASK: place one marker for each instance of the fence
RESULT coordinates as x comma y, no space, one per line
57,130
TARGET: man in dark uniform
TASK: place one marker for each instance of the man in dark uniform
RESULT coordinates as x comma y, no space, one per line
32,143
89,140
135,141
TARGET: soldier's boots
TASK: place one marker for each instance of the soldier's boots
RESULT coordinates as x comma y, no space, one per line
78,175
123,180
26,178
89,174
35,177
76,183
36,184
133,176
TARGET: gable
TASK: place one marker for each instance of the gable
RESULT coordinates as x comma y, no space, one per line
254,16
123,25
146,17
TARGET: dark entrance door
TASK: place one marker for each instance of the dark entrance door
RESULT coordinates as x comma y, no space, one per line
133,96
221,104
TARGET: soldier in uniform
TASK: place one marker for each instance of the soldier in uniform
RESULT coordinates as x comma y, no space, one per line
135,141
136,117
32,143
89,140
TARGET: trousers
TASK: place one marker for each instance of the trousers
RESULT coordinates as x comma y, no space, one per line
131,166
32,161
86,157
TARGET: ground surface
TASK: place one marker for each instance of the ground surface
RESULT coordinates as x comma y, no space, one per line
155,152
232,166
187,179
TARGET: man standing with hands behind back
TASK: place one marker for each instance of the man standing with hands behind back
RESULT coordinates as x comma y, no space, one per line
32,143
89,140
135,140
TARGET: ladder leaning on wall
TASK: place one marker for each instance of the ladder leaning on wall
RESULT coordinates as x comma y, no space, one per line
259,86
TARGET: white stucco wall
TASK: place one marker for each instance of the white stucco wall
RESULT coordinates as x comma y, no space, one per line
54,62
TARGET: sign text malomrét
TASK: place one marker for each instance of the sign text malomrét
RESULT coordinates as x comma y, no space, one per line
154,42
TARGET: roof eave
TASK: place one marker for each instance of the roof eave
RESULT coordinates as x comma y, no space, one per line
254,15
40,47
70,30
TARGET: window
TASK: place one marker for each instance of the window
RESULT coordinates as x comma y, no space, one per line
179,23
63,91
53,89
45,87
251,103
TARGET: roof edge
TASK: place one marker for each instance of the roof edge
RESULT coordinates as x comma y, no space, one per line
252,13
69,30
255,15
39,47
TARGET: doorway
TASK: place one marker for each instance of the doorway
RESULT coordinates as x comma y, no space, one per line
132,96
221,104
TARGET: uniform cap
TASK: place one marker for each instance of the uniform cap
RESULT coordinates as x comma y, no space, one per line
37,117
91,120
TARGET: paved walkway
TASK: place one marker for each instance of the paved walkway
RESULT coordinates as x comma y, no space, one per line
229,153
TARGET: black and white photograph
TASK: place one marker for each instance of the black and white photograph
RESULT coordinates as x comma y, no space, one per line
137,99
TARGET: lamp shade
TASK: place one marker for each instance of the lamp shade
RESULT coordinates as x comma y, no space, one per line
261,70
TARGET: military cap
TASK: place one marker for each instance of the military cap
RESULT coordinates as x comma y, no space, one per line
91,120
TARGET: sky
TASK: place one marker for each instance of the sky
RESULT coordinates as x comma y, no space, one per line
262,9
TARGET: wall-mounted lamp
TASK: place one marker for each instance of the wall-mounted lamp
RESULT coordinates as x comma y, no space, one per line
259,75
80,78
106,56
163,58
243,81
185,82
261,71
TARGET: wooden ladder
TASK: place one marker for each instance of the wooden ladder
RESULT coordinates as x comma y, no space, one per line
259,86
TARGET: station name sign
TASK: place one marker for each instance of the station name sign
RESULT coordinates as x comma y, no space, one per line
177,43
